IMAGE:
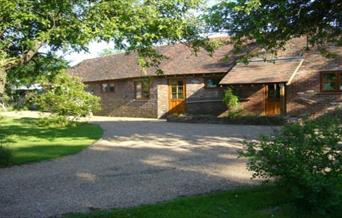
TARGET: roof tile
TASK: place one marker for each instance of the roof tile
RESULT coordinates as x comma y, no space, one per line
180,60
262,72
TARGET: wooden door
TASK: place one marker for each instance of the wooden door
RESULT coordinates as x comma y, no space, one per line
177,96
273,100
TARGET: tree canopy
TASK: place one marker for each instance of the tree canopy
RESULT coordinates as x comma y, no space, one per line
27,26
270,23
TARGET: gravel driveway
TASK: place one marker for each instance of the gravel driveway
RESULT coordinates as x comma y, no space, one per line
138,161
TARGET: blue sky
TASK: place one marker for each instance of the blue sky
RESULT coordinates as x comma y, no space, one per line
95,48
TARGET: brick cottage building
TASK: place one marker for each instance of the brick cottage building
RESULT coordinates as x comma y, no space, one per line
296,82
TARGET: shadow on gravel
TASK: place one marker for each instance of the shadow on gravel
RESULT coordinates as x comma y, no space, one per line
136,162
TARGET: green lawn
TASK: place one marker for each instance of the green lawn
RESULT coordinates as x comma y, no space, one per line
31,142
252,202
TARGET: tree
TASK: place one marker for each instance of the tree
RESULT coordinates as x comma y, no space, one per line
3,62
270,24
2,75
27,26
40,67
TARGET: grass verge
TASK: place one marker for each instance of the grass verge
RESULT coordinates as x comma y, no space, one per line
250,202
30,142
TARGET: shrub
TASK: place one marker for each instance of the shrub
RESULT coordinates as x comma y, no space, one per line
65,96
5,155
256,120
304,158
239,119
231,100
54,121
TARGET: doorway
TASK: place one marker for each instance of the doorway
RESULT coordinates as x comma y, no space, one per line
274,99
177,96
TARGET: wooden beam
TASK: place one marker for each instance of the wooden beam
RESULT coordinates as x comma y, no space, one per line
282,99
295,72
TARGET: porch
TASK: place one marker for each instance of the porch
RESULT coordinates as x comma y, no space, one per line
262,86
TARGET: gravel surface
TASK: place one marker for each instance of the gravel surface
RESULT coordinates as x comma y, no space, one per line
138,161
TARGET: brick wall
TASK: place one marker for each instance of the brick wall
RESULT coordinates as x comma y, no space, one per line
304,97
202,100
252,98
163,96
122,102
199,100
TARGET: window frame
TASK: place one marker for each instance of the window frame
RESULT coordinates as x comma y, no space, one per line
89,89
108,84
175,84
206,79
143,96
276,93
337,81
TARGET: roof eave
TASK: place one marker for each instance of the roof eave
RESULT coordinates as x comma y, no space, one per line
254,83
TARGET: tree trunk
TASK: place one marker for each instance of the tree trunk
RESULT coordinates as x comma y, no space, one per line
6,64
2,80
2,87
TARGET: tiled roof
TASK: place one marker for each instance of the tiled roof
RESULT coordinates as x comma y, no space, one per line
279,70
180,60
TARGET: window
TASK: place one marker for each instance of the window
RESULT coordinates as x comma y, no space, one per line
331,81
212,83
177,89
89,89
108,87
142,90
273,91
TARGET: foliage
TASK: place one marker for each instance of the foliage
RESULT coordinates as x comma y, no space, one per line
55,121
271,23
337,112
34,30
66,96
4,61
5,153
107,52
4,100
5,156
306,159
255,120
31,142
39,68
231,100
2,80
238,118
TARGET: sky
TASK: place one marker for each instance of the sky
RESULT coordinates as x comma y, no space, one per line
96,47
